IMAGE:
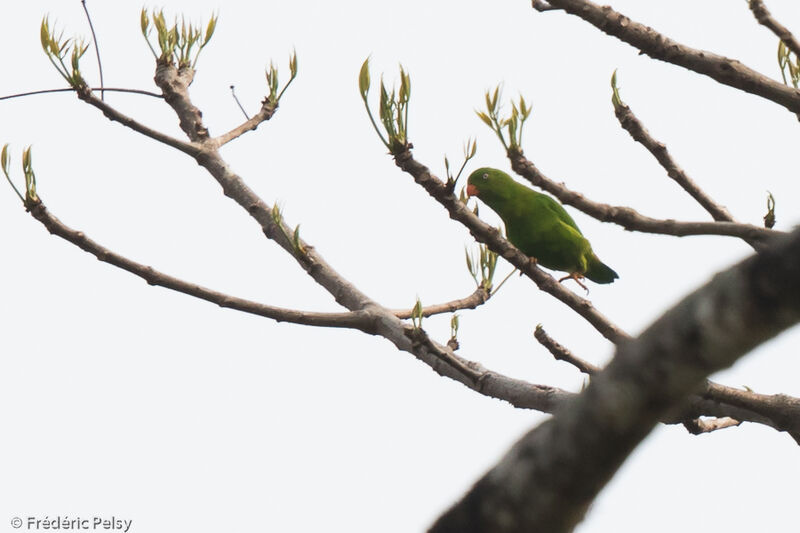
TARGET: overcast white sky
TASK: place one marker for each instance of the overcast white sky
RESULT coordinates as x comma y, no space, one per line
121,399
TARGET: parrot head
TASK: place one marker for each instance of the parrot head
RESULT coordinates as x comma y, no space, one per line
489,184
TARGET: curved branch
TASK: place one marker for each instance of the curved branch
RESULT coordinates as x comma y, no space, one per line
631,219
764,18
96,48
722,69
72,90
562,353
550,477
154,277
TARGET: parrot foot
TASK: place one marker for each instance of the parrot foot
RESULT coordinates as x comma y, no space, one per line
577,278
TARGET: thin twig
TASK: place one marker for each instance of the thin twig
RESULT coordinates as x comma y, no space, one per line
236,99
96,49
631,123
764,18
479,297
631,219
86,95
72,90
656,45
265,113
154,277
563,354
502,282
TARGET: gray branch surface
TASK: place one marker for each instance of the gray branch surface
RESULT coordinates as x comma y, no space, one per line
549,478
658,46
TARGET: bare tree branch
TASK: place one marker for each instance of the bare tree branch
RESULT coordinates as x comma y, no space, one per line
479,297
73,89
96,49
85,94
764,18
656,45
631,219
748,406
782,409
265,113
352,320
634,126
780,412
550,477
561,353
174,83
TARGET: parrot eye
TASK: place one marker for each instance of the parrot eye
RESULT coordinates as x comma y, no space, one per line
485,176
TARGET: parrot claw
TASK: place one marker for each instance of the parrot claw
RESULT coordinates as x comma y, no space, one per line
577,278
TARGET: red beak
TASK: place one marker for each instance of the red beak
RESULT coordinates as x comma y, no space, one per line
472,190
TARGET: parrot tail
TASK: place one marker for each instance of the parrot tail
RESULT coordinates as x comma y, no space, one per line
599,272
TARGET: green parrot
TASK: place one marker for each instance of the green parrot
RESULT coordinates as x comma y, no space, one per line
539,226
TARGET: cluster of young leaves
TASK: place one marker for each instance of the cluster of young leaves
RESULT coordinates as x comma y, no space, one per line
57,48
294,238
392,108
484,264
789,64
512,124
31,198
272,79
615,98
417,315
470,148
769,218
177,43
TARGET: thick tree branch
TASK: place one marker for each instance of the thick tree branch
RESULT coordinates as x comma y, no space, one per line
631,219
780,412
550,477
722,69
765,18
633,125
